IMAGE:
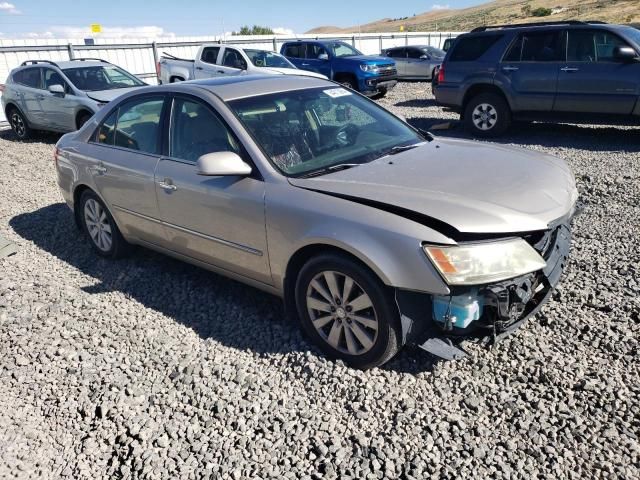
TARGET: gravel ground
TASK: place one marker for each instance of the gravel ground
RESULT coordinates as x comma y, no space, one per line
149,368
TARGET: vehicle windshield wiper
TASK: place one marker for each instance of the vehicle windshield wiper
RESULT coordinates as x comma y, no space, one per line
403,148
332,168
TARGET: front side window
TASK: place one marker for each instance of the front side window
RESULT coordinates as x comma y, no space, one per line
314,51
233,59
341,49
307,131
536,47
51,77
469,49
101,77
592,46
29,77
134,125
210,54
397,53
196,131
265,58
416,53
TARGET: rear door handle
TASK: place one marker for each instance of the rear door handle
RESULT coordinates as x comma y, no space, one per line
220,71
304,64
169,187
509,68
569,69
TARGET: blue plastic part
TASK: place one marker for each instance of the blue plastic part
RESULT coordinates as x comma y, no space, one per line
458,311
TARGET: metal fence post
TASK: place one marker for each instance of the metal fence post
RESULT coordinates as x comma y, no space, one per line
380,41
70,51
154,47
406,39
353,41
275,45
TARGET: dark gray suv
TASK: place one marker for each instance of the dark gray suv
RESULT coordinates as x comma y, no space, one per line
578,72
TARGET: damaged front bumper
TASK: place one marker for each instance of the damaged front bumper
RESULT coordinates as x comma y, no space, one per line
506,305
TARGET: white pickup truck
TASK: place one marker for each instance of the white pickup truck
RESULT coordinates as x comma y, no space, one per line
220,60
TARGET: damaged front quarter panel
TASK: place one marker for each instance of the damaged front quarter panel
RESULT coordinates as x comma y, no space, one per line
506,305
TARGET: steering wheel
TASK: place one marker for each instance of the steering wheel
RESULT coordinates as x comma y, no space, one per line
347,135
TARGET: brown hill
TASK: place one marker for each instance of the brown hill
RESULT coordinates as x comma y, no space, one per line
501,12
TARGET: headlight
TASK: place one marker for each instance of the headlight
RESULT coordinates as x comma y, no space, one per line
484,262
368,68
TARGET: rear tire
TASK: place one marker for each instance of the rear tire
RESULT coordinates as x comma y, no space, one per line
98,224
347,311
19,124
487,115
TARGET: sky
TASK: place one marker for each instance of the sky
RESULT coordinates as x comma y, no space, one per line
138,18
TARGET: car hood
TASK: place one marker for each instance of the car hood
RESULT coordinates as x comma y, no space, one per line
470,186
292,71
105,96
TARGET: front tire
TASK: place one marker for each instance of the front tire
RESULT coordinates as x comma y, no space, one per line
82,119
98,224
347,311
19,124
487,115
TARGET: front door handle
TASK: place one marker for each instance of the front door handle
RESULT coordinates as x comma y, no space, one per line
305,64
169,187
199,68
220,71
569,69
509,68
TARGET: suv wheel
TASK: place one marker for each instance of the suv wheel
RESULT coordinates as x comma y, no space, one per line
99,225
347,311
487,115
19,124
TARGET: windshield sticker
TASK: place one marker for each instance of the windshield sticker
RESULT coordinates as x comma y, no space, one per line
337,92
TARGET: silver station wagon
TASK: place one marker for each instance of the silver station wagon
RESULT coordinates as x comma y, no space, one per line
375,234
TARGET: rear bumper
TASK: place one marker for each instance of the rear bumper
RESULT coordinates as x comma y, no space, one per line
507,305
448,96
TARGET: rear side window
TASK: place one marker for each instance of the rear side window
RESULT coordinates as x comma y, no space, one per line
134,125
210,54
468,49
29,77
397,53
536,47
295,50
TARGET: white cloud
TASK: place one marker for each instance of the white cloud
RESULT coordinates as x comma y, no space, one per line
9,8
437,6
282,31
147,31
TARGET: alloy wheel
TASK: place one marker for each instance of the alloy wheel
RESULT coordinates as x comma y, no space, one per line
18,125
98,226
342,313
484,116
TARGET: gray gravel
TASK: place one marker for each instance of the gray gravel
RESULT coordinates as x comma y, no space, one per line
149,368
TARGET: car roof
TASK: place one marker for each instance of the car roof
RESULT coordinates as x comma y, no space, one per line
549,26
243,86
65,64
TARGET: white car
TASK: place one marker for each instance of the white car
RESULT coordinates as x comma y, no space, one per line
219,60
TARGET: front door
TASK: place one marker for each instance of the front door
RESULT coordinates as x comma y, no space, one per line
206,66
217,220
399,55
592,80
317,60
232,63
529,70
59,109
124,155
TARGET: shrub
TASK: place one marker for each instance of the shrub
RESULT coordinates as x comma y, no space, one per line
541,12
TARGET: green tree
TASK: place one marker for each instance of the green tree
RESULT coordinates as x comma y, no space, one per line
541,12
255,30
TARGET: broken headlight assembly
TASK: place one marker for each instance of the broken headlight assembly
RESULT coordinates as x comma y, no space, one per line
482,263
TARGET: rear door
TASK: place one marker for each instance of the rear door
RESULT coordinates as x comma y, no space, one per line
416,65
592,80
399,55
206,66
59,109
30,95
217,220
125,152
529,70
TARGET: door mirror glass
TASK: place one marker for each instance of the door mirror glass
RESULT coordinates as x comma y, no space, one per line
625,54
222,163
323,56
56,89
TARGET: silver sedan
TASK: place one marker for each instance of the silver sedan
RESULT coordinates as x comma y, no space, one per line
375,234
416,62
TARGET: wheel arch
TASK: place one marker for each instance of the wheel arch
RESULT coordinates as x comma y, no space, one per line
11,105
82,111
479,88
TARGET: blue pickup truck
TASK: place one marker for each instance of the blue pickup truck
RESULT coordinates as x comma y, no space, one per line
373,76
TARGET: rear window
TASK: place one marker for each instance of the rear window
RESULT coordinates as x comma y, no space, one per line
468,49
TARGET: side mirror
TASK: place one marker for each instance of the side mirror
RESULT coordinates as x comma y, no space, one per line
222,164
240,64
323,56
626,54
425,57
56,89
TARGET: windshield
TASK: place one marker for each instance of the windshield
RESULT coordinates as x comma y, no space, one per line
265,58
434,52
633,34
101,77
305,131
341,49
